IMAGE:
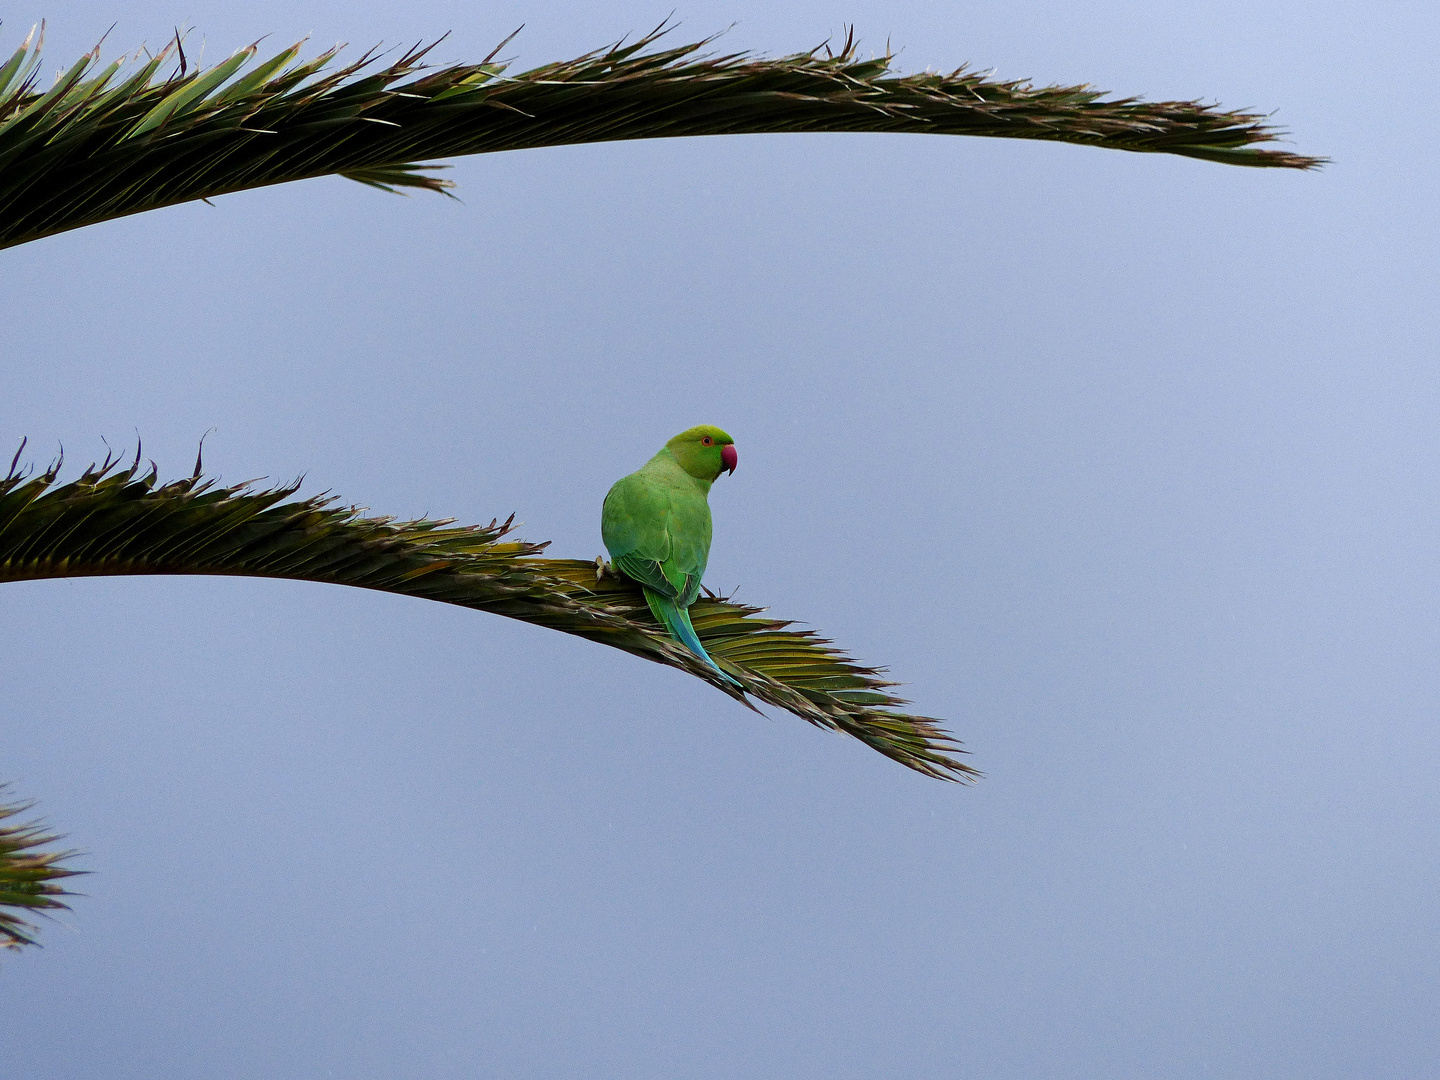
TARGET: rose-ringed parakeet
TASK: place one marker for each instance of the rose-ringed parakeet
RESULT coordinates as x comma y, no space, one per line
656,526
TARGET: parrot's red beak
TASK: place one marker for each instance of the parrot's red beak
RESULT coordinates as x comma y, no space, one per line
728,457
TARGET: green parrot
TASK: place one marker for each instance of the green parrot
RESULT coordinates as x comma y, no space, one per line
656,526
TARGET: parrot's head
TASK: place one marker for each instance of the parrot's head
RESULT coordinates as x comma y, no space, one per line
704,452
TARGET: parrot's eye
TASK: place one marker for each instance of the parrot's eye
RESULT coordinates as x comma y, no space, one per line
707,441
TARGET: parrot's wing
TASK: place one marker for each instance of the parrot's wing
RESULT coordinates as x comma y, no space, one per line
657,535
647,572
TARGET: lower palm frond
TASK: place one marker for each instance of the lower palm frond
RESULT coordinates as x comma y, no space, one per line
99,145
113,520
28,876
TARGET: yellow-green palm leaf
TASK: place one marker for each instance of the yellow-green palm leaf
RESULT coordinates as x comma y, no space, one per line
105,142
29,877
113,520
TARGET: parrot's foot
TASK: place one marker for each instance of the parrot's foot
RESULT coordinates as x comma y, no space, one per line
600,567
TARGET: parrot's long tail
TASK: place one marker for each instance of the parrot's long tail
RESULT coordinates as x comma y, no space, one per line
676,619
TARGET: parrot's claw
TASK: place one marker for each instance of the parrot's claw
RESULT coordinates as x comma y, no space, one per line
600,569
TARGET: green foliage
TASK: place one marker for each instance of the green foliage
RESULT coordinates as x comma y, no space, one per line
114,521
28,877
97,145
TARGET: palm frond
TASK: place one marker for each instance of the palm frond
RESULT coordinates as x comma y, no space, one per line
99,144
115,520
28,876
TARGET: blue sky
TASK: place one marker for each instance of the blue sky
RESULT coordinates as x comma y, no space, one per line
1125,465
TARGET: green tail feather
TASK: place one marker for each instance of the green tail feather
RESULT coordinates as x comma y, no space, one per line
676,619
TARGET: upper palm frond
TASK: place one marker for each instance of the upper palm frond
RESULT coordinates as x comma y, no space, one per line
113,520
28,877
97,145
